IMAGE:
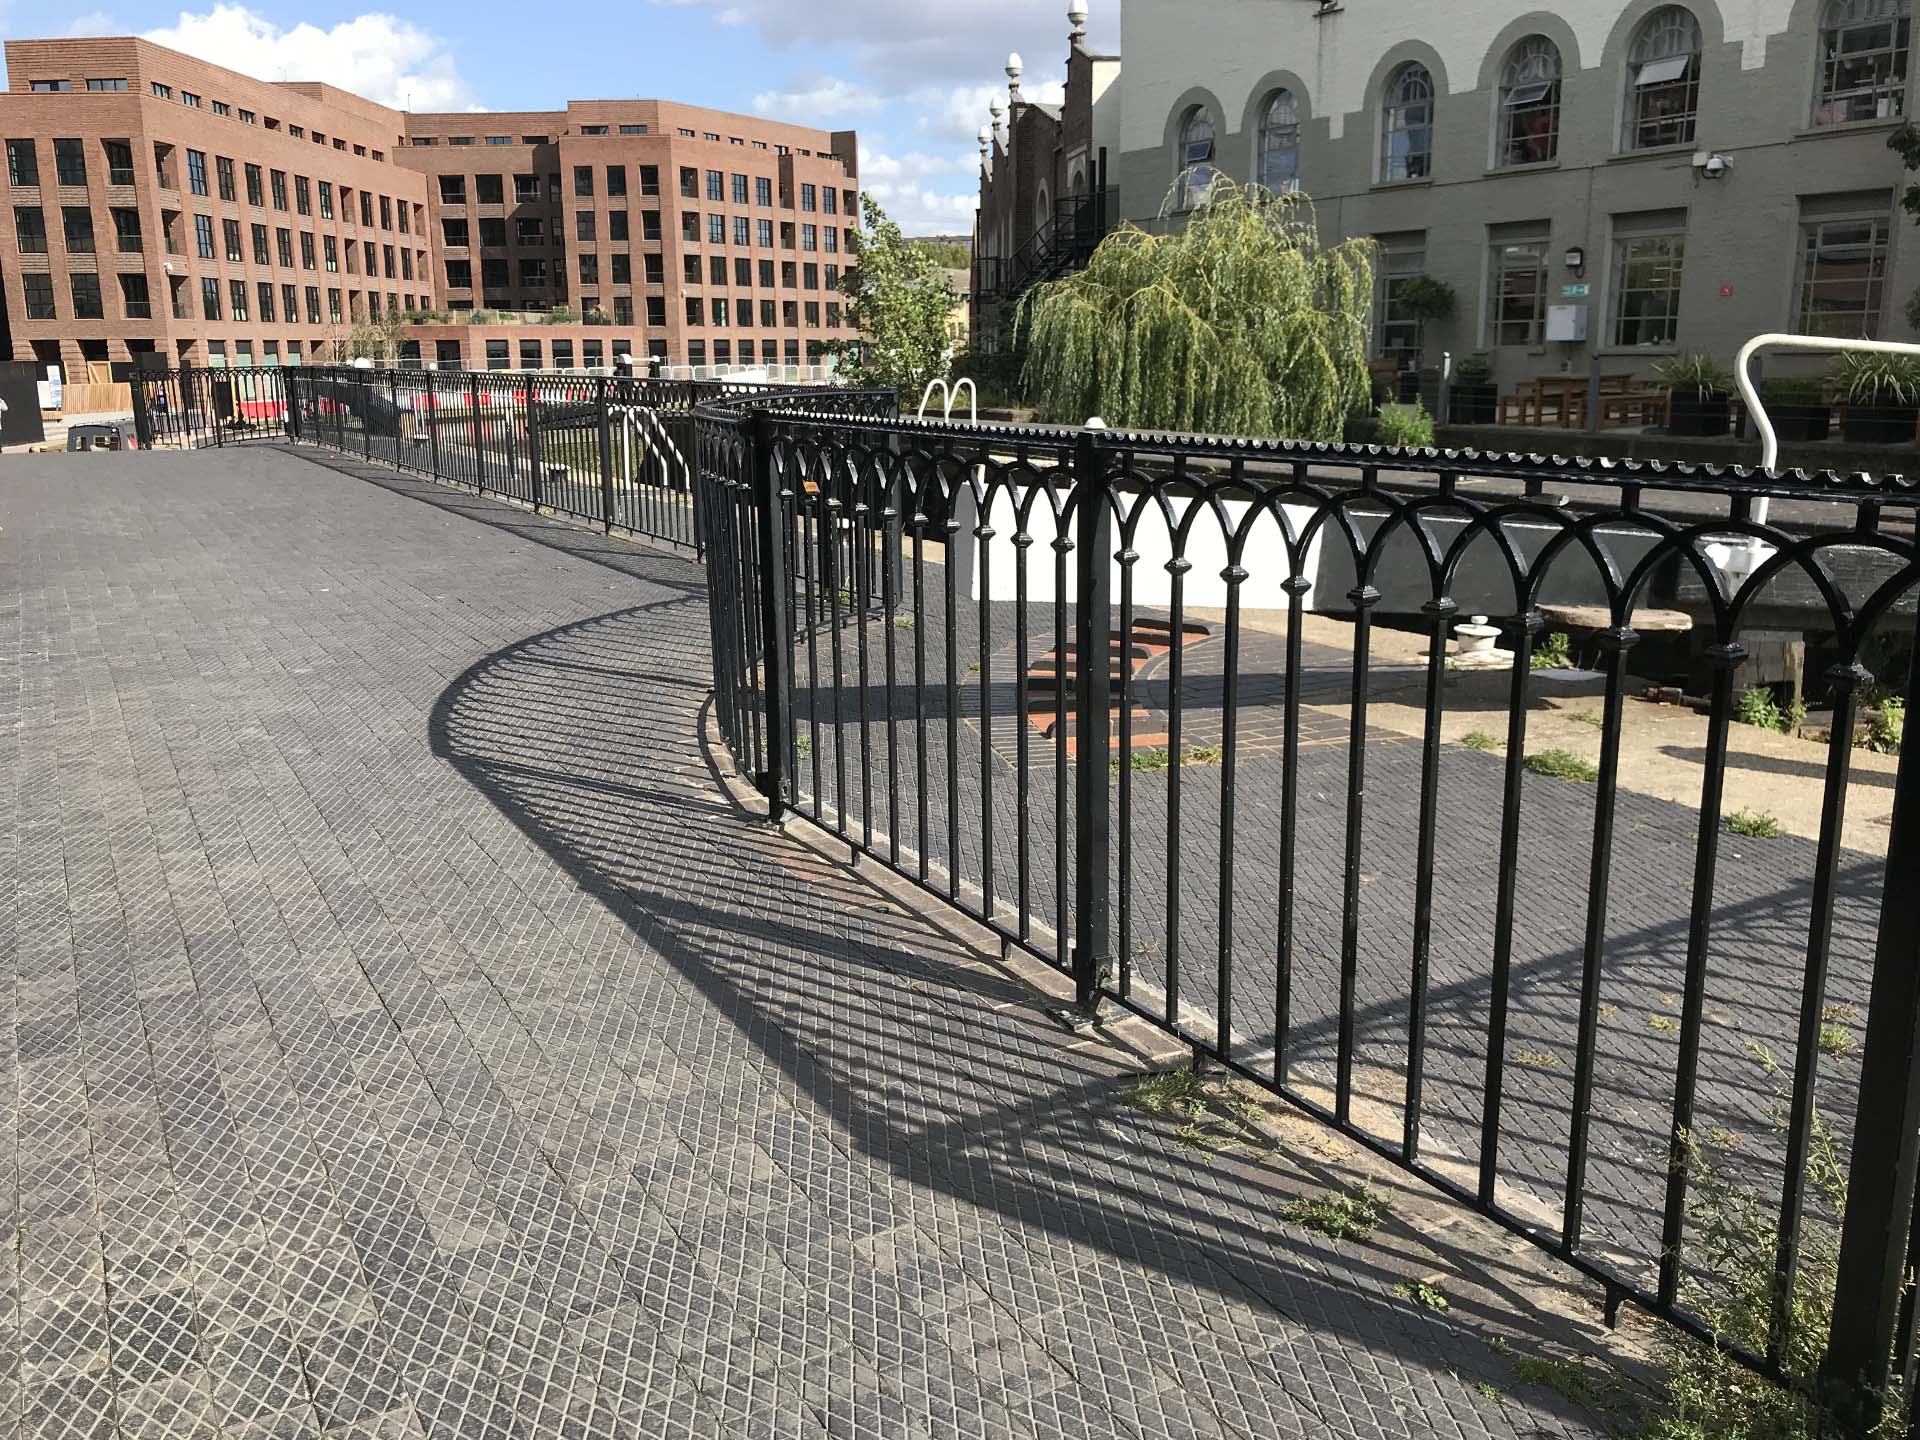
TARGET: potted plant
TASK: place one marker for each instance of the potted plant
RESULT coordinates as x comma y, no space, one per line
1473,399
1700,389
1422,298
1882,396
1797,406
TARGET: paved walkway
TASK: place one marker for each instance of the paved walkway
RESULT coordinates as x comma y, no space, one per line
408,1038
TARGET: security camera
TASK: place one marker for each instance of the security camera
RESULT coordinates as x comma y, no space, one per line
1716,166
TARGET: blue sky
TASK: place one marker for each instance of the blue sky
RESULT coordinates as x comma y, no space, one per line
914,80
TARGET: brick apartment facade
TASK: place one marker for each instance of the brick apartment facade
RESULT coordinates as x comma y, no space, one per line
163,204
706,238
158,203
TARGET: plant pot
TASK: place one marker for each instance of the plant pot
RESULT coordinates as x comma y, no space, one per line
1699,413
1801,424
1473,404
1879,424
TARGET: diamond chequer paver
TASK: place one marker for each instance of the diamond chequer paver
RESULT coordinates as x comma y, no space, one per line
409,1038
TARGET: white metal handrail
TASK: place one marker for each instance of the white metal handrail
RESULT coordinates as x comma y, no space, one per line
951,396
1769,442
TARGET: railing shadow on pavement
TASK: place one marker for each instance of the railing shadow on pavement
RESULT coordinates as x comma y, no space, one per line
940,1069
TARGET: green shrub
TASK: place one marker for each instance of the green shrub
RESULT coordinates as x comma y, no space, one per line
1887,727
1758,707
1695,372
561,315
1480,740
1874,379
1473,370
1799,390
1407,427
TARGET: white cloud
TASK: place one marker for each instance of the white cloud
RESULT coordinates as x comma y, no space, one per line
816,98
382,57
920,44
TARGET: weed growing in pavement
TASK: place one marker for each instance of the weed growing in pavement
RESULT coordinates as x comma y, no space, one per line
1585,1383
1160,758
1754,824
1663,1022
1536,1059
1887,726
1353,1214
1211,1116
1561,765
1480,740
1836,1031
1423,1293
1554,652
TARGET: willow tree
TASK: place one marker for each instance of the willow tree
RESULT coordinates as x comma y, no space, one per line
1237,322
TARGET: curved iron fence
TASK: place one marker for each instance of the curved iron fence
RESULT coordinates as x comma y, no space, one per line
1178,716
1123,699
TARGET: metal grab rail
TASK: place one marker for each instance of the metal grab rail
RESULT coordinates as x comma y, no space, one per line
1742,367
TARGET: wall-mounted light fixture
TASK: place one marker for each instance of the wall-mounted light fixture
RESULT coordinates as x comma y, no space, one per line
1576,259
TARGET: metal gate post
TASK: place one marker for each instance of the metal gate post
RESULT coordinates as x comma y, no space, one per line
776,623
433,427
535,474
142,421
1092,726
1871,1279
290,399
606,455
476,436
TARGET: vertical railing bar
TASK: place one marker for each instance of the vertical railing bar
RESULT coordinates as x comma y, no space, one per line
1506,904
890,591
1364,598
1844,682
861,542
1440,610
1617,642
1297,586
1725,659
1093,721
1234,575
1177,567
983,534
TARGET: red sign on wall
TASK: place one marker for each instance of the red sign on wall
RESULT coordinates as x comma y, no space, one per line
1726,292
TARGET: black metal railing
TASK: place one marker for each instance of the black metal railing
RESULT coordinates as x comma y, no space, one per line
189,408
1173,715
1178,716
611,452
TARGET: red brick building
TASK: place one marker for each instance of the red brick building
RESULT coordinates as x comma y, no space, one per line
700,237
159,203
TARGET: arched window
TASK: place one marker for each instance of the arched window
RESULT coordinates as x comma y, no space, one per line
1280,144
1406,130
1663,80
1863,61
1530,103
1194,167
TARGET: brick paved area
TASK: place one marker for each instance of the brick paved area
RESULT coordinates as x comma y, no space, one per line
408,1038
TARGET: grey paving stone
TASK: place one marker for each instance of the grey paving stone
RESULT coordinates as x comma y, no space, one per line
408,1040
